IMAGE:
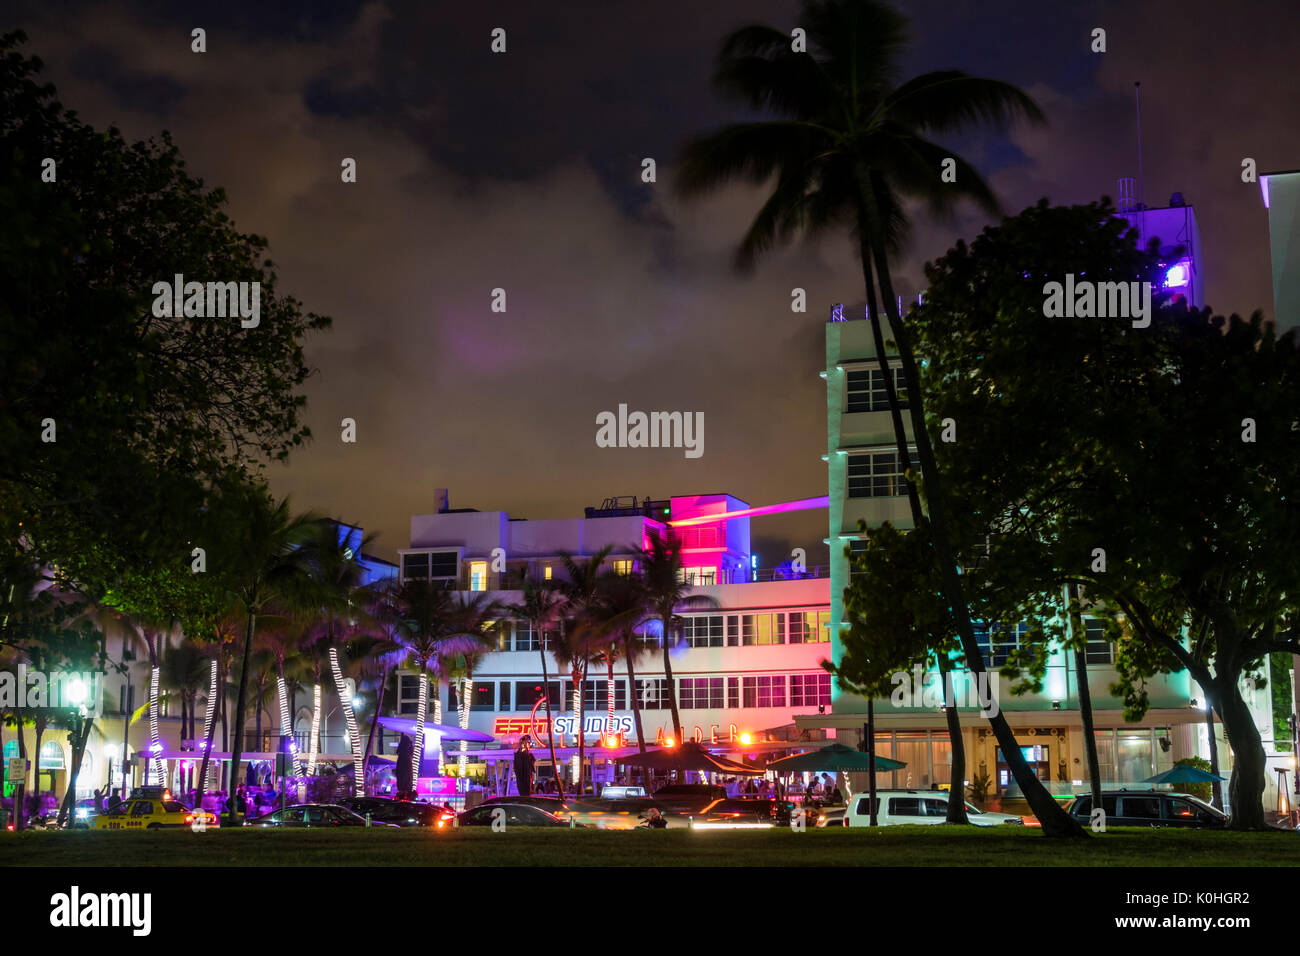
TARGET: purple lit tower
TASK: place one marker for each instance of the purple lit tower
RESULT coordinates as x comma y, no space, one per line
1175,226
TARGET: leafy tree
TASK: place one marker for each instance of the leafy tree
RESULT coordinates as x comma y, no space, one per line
1060,421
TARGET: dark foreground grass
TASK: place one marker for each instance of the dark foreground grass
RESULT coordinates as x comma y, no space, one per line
886,846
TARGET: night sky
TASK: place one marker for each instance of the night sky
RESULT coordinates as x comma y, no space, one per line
522,171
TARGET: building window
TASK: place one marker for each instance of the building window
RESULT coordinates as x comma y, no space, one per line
697,577
808,627
877,474
997,642
1098,650
426,565
546,572
408,694
733,691
810,690
701,693
703,630
623,566
529,692
526,638
866,390
762,629
763,691
652,694
733,630
478,575
483,696
595,694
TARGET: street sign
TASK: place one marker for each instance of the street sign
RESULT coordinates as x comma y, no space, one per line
17,771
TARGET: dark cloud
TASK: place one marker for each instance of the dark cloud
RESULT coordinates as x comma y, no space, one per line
522,172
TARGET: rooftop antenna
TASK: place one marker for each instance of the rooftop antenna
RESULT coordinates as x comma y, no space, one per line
1142,203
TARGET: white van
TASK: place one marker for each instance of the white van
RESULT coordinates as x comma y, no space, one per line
916,808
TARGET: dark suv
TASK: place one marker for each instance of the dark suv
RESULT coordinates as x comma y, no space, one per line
1147,808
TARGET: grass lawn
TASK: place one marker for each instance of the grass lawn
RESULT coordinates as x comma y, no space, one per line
885,846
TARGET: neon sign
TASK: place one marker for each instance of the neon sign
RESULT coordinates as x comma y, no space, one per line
598,724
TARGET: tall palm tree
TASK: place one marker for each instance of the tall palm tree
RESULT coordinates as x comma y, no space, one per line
540,607
624,605
337,575
264,560
474,633
849,148
378,647
580,588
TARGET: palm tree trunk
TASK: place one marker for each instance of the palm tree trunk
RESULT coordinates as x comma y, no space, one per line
39,726
957,781
237,748
1054,819
632,698
313,742
957,778
286,722
467,685
577,725
379,705
350,724
1085,694
421,710
550,725
1217,785
209,728
668,680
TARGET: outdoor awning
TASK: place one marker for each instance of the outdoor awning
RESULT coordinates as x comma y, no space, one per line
406,725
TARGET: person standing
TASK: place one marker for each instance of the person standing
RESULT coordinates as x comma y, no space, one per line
524,763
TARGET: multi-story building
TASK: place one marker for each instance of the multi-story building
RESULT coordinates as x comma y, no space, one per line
751,639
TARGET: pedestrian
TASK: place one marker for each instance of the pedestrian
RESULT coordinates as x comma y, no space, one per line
524,764
654,820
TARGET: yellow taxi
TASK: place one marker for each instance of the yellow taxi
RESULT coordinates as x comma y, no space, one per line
152,813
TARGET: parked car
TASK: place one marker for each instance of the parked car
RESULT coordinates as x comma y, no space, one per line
917,808
307,815
688,797
516,815
402,813
151,814
1148,808
621,792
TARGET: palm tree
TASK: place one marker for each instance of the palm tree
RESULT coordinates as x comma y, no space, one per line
474,619
580,589
540,606
624,605
337,575
849,148
379,649
264,560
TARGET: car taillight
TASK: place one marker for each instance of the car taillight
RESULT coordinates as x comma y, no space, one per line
189,818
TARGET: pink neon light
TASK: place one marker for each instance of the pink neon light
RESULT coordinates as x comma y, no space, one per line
800,505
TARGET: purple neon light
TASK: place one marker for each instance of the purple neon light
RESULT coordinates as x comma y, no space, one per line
800,505
1179,274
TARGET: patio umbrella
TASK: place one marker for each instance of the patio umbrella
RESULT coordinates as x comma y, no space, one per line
689,756
836,757
406,725
1184,775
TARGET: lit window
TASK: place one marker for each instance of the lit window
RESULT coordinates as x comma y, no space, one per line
623,566
547,572
478,575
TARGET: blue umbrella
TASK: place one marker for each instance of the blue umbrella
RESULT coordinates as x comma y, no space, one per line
1184,774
